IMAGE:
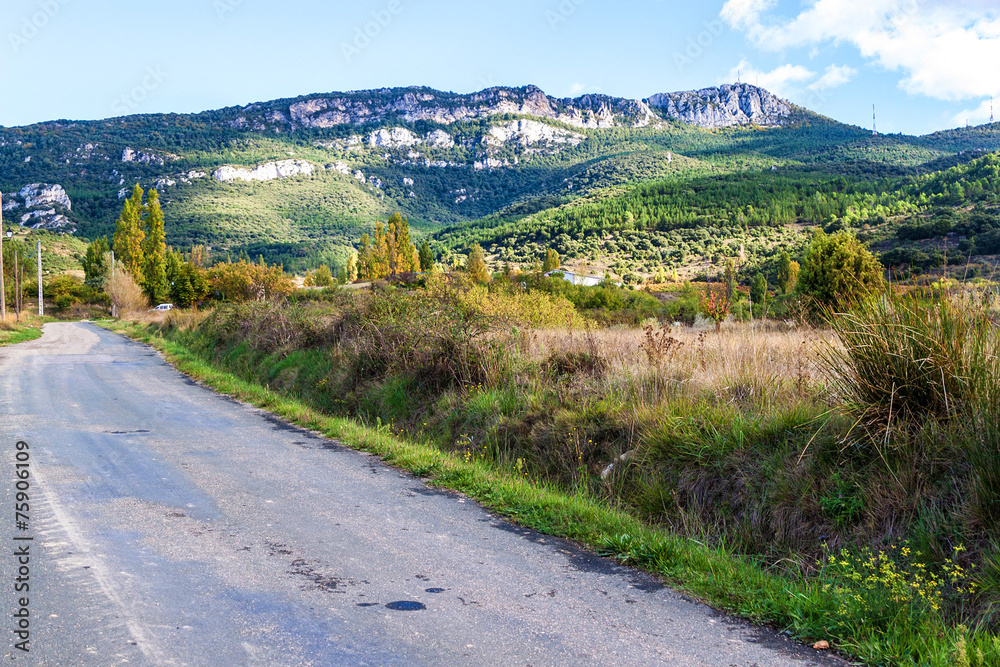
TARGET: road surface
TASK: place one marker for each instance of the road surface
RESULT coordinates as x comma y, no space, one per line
175,526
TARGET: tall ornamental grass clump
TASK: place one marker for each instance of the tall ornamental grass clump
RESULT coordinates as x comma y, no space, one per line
906,358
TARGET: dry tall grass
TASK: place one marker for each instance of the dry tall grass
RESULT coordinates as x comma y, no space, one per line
743,363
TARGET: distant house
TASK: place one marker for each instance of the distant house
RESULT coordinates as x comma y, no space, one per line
577,278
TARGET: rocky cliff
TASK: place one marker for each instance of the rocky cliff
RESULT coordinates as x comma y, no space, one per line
269,171
39,206
724,106
424,104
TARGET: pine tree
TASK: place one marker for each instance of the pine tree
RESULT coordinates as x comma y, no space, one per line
475,265
127,241
154,249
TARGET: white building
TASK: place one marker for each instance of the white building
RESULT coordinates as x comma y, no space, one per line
578,278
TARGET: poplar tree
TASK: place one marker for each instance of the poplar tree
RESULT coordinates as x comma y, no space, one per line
475,265
365,259
128,238
154,248
551,262
352,268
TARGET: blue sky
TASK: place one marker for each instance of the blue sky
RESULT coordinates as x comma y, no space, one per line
927,64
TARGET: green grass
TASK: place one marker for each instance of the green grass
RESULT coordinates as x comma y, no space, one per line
19,333
807,606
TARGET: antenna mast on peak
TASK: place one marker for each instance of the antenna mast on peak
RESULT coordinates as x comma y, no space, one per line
738,77
991,109
874,124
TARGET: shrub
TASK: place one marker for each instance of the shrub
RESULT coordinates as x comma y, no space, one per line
245,281
838,271
126,296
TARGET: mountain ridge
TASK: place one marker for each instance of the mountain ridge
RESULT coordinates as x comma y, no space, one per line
299,179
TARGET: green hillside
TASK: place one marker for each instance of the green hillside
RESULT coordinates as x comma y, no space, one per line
616,191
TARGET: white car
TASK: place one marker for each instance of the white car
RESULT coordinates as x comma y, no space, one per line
165,306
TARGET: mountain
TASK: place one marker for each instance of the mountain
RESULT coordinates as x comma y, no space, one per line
298,180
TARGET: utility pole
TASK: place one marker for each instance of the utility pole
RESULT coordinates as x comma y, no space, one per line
41,304
3,292
17,289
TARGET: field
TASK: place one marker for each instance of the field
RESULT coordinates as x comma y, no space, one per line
837,481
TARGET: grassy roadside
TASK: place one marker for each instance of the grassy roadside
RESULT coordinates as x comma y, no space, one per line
12,333
806,606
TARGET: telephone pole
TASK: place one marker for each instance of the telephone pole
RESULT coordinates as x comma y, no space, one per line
3,291
41,304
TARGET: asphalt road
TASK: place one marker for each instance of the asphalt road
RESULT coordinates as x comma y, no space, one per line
174,526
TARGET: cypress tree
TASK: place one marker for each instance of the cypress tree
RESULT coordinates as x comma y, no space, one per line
426,257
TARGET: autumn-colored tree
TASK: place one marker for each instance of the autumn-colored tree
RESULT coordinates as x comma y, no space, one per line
199,256
154,250
366,258
248,281
716,305
788,273
475,265
551,262
351,270
321,277
128,238
380,252
389,251
400,247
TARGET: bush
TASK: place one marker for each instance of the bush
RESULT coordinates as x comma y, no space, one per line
838,271
126,296
246,281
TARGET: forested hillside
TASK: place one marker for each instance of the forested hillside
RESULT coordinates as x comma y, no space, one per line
625,184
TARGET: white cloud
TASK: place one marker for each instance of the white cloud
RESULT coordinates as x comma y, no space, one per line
834,76
946,49
577,88
782,81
